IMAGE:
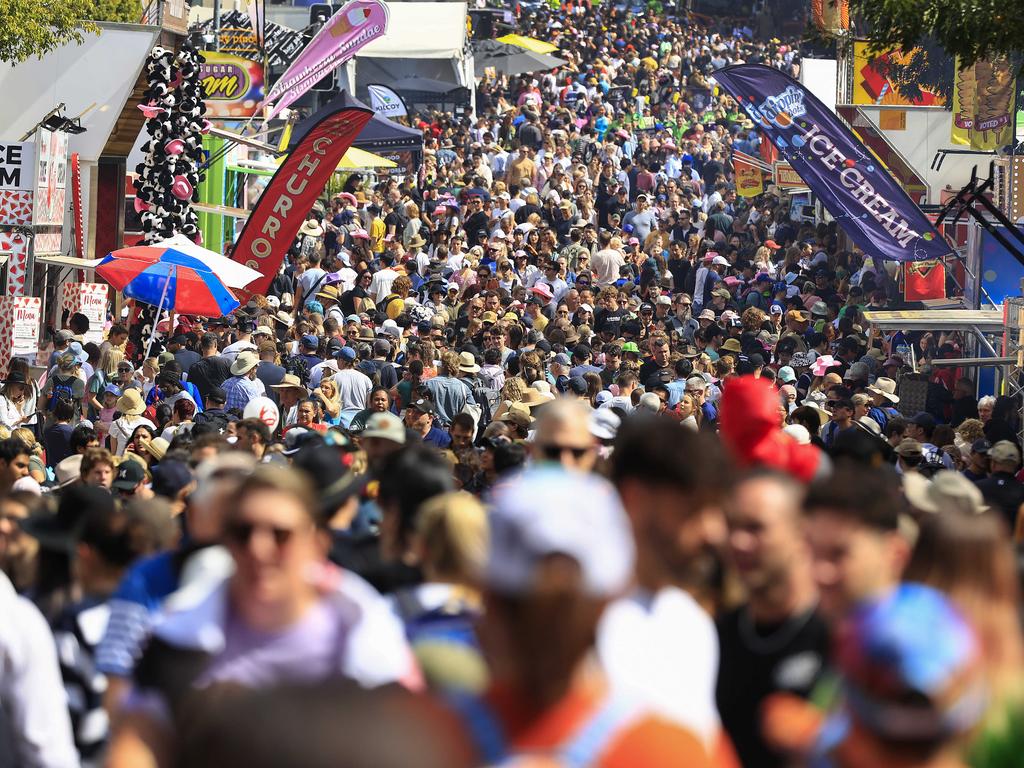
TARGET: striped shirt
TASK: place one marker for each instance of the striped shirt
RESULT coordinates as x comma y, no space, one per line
240,390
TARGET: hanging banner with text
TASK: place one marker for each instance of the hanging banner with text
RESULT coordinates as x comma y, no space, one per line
271,227
346,32
983,105
868,203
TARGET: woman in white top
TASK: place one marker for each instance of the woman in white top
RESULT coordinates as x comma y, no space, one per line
131,408
13,403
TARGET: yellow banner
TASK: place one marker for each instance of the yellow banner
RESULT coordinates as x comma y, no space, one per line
749,179
983,105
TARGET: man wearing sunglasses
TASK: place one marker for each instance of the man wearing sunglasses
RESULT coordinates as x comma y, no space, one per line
563,436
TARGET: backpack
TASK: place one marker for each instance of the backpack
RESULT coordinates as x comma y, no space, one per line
63,388
383,304
487,400
298,367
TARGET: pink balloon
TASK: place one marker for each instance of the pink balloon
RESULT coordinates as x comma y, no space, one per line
207,125
174,147
141,205
198,240
181,188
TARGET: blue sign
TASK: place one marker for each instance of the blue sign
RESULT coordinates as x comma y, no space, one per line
862,196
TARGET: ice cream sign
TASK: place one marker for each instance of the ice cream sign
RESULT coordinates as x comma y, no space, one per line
356,24
232,85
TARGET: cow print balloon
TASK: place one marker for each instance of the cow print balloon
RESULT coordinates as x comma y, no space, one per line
174,109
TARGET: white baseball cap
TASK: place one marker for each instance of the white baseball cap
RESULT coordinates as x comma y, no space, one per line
529,520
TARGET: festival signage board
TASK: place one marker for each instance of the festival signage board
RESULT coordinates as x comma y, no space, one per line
888,78
17,183
749,178
232,85
356,24
862,196
271,227
91,300
281,44
786,177
19,328
983,105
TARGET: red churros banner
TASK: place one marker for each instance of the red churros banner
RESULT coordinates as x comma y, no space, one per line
281,209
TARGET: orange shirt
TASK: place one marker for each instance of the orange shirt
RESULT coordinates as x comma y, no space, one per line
647,740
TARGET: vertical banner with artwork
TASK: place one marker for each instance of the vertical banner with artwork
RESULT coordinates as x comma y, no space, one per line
50,203
17,182
983,105
353,26
862,196
831,15
271,227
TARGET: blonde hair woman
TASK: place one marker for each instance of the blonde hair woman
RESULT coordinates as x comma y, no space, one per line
449,542
36,465
331,397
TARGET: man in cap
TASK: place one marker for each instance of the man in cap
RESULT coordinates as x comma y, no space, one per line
419,418
535,557
1001,488
215,413
243,385
354,386
130,481
920,428
977,462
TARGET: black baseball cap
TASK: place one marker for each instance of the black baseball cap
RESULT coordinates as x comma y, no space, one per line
129,475
423,405
217,395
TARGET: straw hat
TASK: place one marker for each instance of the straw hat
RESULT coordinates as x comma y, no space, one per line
886,388
311,228
130,403
157,448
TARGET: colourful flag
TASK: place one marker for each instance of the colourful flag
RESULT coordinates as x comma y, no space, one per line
983,105
346,32
271,227
861,195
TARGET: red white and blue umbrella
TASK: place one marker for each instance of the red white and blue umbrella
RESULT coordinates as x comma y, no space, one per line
167,279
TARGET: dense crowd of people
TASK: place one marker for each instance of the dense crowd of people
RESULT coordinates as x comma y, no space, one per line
560,452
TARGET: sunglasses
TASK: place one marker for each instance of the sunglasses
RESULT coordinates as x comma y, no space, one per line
241,533
555,452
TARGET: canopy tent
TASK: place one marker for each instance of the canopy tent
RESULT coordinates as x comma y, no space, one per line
395,142
424,90
424,40
421,31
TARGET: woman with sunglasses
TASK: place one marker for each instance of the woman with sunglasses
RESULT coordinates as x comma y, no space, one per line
284,616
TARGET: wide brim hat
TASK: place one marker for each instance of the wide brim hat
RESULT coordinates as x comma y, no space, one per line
882,386
533,397
157,448
244,363
416,241
467,363
311,228
131,403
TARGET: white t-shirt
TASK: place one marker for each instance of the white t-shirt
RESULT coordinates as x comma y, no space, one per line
664,649
353,388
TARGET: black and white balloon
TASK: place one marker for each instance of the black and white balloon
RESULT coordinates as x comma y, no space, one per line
168,179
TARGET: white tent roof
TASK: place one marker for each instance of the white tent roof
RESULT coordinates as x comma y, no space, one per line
421,31
94,78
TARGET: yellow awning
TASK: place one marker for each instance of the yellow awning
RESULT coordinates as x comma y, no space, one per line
529,43
356,159
360,158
